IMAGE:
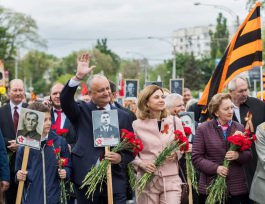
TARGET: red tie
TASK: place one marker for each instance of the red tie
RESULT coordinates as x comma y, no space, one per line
58,119
15,118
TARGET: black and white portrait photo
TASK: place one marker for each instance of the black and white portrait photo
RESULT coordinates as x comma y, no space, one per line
30,127
187,119
158,83
131,87
177,86
105,128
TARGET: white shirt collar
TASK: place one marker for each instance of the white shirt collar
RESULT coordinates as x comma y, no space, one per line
107,107
12,105
44,138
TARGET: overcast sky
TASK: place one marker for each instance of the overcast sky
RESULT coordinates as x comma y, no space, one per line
70,25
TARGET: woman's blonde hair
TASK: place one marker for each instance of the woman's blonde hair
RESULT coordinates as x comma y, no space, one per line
143,111
216,102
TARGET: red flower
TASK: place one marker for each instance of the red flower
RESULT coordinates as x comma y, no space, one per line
138,146
254,137
182,140
63,162
247,132
50,143
133,144
57,151
130,136
53,127
185,147
187,131
62,131
125,131
242,141
165,129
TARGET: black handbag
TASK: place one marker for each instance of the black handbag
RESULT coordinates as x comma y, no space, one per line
184,186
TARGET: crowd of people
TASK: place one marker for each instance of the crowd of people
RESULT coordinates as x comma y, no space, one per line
147,117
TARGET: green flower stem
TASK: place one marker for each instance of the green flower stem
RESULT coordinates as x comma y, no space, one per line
218,189
191,172
147,177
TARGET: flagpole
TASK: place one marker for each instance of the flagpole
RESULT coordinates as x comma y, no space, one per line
261,83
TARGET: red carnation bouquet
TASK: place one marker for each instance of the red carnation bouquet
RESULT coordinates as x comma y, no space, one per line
238,142
180,142
97,174
62,162
191,171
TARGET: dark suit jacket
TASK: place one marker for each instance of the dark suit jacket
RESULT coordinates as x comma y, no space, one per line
101,133
117,105
257,108
32,134
71,135
7,127
84,154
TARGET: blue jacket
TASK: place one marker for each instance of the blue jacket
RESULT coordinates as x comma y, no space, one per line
34,191
4,166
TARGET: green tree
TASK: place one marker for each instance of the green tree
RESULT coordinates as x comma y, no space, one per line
162,70
33,69
192,73
17,30
103,47
219,38
132,69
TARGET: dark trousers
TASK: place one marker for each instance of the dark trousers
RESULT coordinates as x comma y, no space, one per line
11,193
98,197
240,199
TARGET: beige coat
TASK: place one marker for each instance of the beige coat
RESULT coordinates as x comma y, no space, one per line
154,142
257,191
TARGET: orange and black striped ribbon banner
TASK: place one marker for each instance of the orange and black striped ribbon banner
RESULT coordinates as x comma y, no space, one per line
243,52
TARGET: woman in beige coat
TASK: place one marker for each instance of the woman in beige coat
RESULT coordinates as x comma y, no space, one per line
155,128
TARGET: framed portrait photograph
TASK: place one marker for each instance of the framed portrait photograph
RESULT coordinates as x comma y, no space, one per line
158,83
131,88
119,100
105,128
30,128
177,86
188,119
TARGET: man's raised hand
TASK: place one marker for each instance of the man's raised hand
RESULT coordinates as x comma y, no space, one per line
83,68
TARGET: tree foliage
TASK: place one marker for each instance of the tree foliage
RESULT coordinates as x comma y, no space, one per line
103,48
219,38
34,68
17,30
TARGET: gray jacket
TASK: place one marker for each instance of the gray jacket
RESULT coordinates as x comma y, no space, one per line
257,191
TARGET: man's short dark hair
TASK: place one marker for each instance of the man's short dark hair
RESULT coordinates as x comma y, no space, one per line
113,86
105,112
31,113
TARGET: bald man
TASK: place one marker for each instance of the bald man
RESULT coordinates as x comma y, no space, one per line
84,154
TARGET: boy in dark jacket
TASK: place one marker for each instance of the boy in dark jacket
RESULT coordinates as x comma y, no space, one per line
42,178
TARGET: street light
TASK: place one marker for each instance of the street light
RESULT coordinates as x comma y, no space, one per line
224,8
174,52
144,63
